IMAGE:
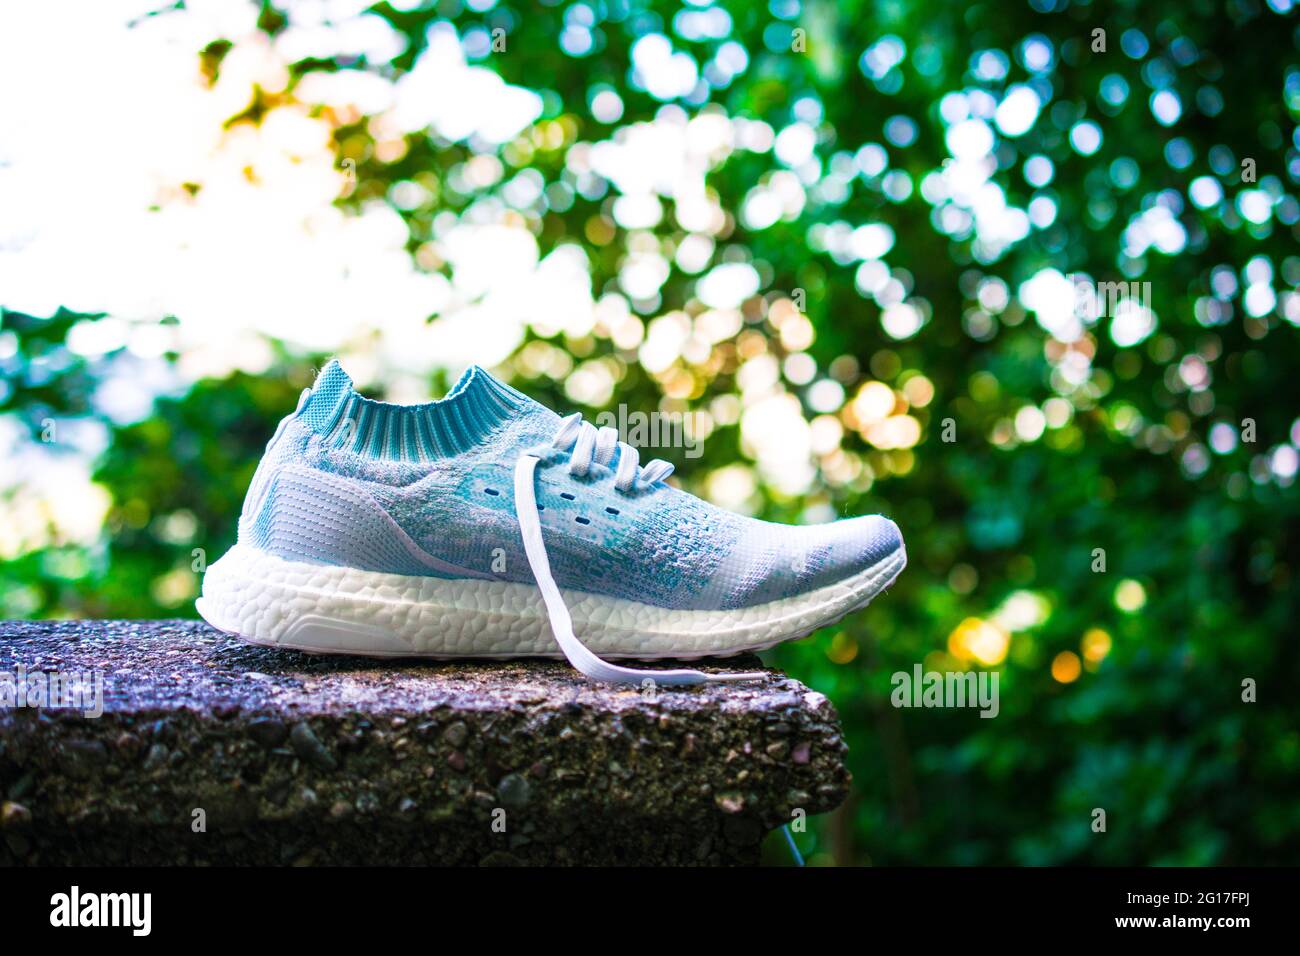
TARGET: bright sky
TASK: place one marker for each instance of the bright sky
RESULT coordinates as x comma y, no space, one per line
96,218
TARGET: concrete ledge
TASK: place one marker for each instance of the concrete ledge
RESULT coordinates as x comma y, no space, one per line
292,759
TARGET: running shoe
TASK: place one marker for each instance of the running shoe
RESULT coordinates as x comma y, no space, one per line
484,525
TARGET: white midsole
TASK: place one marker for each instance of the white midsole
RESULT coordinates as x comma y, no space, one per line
332,609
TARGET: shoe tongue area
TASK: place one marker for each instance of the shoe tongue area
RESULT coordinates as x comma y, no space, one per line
475,407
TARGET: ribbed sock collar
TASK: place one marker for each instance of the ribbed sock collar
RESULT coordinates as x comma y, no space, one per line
472,410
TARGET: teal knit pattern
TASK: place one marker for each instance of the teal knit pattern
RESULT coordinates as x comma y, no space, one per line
427,490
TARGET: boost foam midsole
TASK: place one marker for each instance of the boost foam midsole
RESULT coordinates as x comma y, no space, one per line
328,608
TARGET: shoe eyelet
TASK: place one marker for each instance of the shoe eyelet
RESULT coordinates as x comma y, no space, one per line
612,511
581,520
565,494
492,491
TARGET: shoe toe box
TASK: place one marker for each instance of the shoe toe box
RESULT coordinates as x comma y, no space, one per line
773,562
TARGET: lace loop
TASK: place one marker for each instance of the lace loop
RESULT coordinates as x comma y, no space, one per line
585,444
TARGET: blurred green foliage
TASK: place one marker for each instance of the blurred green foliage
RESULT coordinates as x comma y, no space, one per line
1154,731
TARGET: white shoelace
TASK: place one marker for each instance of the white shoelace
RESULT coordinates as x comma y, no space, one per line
589,444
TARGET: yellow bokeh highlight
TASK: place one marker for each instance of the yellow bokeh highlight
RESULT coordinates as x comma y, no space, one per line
796,334
843,649
980,640
919,391
1130,596
1096,645
1066,667
175,587
896,431
873,403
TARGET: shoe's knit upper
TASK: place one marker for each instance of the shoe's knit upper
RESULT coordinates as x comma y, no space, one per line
428,490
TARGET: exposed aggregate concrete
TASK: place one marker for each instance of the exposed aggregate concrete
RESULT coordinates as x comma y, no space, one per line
305,760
